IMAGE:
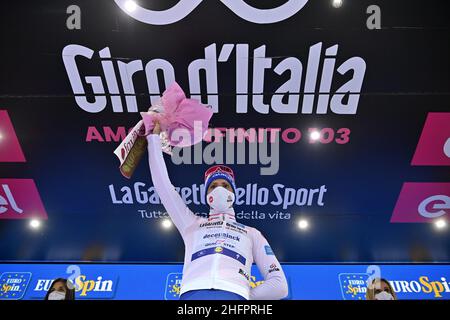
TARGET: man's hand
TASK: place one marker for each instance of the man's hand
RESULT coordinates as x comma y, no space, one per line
157,128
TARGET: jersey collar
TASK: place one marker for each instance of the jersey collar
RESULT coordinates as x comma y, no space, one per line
227,214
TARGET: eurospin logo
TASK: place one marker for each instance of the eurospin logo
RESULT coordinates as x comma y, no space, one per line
353,285
13,285
173,285
184,7
426,285
85,287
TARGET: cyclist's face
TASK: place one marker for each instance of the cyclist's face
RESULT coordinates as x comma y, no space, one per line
219,183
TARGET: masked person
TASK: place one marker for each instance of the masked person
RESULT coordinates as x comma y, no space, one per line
219,252
380,289
59,290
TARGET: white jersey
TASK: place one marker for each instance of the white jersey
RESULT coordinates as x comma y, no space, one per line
219,252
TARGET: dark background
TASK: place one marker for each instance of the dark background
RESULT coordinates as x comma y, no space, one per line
407,76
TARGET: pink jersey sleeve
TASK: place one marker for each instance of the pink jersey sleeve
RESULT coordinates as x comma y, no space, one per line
275,285
180,214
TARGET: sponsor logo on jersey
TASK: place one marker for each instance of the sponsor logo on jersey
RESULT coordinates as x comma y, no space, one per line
245,274
222,235
269,251
273,267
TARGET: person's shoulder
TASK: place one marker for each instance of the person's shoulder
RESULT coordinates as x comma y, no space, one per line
199,219
251,230
241,225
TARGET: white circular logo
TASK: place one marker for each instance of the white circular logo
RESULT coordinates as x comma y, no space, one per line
184,7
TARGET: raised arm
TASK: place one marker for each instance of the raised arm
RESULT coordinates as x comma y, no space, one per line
275,285
180,214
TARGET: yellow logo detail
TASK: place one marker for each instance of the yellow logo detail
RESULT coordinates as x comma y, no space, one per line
6,288
254,283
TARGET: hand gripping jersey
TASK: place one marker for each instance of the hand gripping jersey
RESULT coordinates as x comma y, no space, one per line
219,251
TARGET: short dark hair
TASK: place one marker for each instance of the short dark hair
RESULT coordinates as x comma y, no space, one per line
70,293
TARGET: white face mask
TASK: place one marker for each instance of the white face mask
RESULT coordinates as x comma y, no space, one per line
220,199
384,296
57,295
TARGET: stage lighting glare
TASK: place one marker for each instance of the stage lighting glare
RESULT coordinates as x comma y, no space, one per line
303,224
440,224
166,224
130,5
35,224
337,3
315,135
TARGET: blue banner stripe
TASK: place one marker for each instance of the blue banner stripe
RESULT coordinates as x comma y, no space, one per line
219,250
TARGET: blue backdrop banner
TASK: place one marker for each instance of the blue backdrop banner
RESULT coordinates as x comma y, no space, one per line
162,282
371,183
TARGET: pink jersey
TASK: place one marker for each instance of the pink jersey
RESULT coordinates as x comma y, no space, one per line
219,252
